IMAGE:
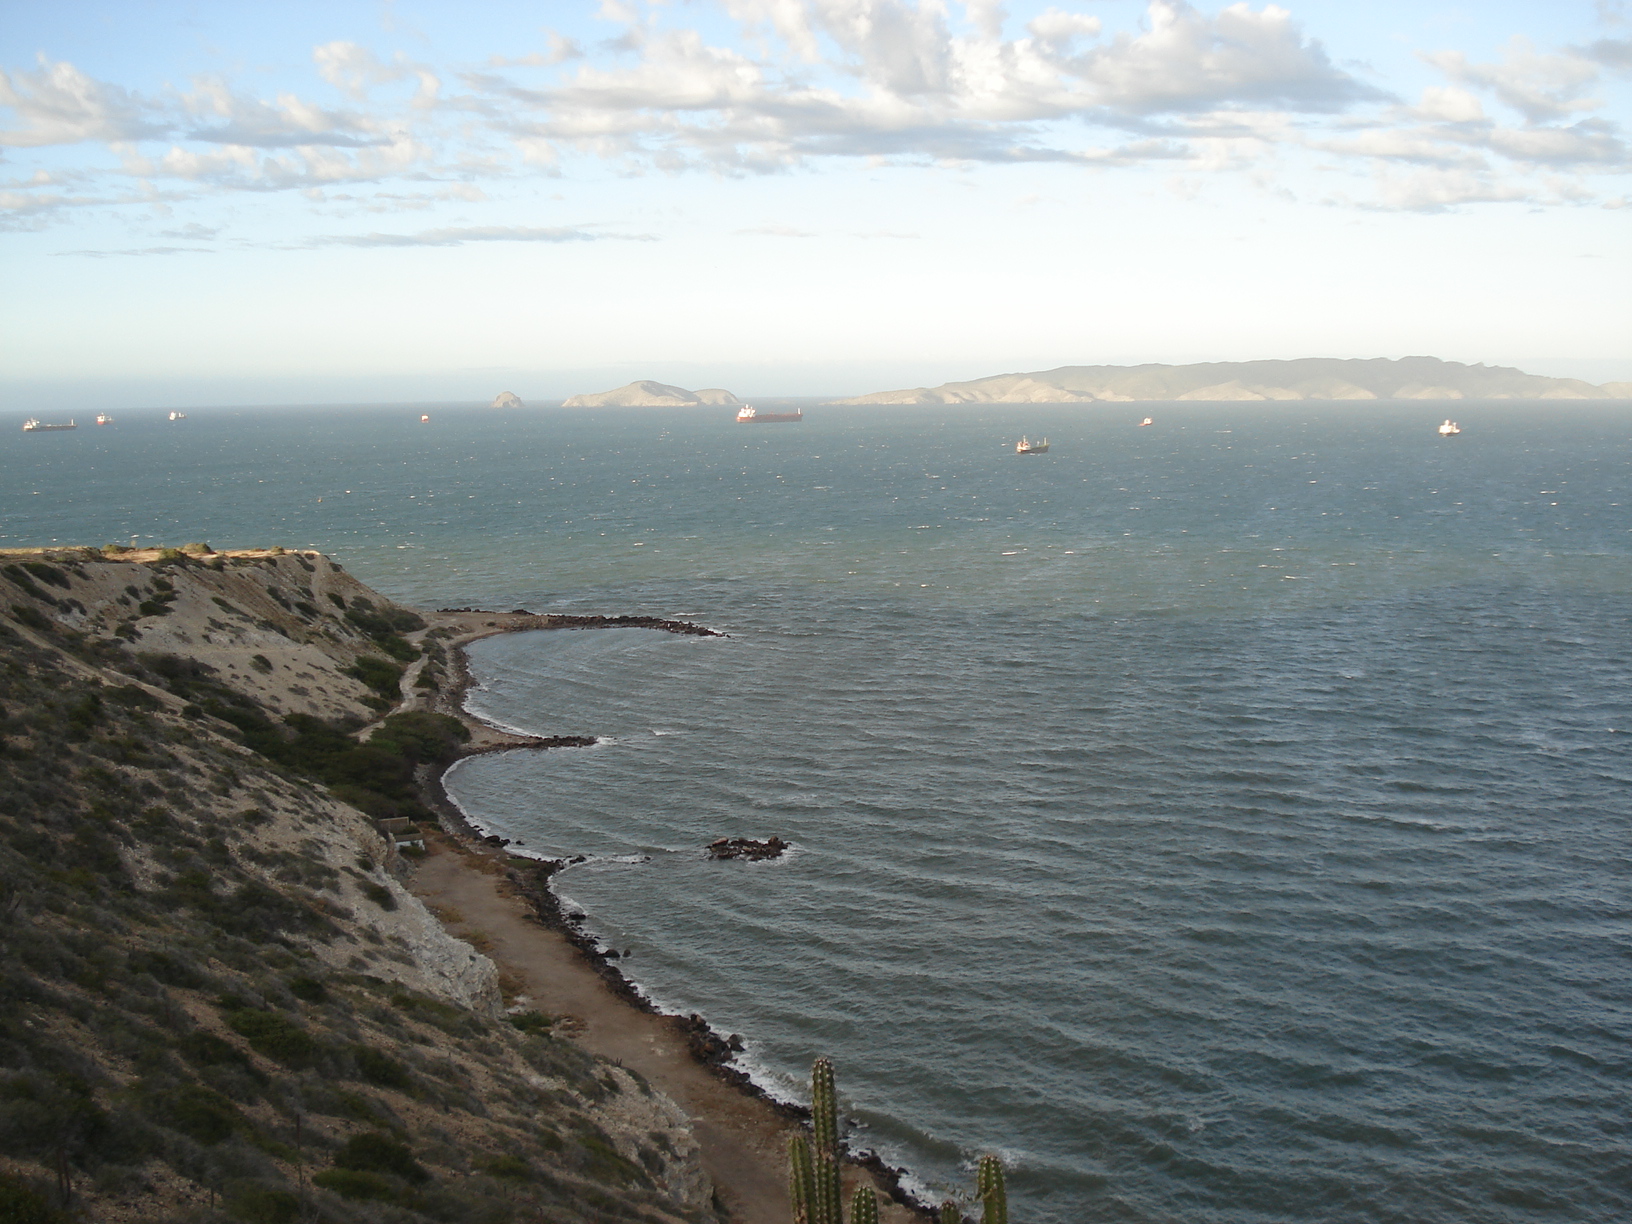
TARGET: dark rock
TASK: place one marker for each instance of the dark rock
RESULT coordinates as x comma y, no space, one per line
746,848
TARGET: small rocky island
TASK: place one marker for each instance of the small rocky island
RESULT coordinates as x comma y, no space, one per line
507,399
746,848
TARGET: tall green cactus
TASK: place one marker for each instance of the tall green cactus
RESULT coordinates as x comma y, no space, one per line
994,1199
814,1181
814,1184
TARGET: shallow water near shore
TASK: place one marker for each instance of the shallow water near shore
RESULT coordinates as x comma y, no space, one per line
1222,820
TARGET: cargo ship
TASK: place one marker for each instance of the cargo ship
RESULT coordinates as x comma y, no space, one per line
1027,447
35,425
749,415
1450,429
103,418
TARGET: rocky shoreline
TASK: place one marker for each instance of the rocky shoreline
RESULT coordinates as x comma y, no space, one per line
530,877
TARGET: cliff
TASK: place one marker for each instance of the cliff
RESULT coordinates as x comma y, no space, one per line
217,1000
1310,378
649,394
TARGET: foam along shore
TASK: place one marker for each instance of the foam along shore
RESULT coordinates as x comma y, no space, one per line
741,1130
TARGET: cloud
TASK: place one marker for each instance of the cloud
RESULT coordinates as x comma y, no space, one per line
459,236
775,231
769,86
889,79
60,105
161,250
1539,86
192,233
357,70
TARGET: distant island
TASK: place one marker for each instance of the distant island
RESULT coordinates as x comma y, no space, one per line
649,394
1309,378
507,399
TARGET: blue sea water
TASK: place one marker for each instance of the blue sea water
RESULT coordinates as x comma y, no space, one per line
1224,820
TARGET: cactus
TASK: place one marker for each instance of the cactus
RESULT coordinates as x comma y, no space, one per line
801,1179
824,1107
994,1199
814,1185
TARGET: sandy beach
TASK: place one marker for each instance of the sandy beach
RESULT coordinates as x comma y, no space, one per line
498,903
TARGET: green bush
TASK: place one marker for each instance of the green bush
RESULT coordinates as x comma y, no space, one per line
381,1069
422,737
372,1152
507,1166
533,1023
203,1116
383,677
263,1205
32,617
19,1204
309,989
353,1184
274,1035
47,573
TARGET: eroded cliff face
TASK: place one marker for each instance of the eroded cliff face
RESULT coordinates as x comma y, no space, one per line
216,999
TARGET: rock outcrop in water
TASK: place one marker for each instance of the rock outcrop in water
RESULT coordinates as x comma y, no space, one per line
1310,378
746,848
507,399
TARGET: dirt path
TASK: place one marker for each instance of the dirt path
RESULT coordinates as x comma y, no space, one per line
743,1139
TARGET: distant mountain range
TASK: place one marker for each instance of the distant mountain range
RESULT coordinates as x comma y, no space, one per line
1308,378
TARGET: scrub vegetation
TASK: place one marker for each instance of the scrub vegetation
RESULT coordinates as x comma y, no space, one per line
206,1013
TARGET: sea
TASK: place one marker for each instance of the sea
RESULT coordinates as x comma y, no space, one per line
1226,819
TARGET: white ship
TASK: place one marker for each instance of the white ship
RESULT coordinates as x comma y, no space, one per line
1450,429
1146,421
177,416
103,418
1027,447
35,425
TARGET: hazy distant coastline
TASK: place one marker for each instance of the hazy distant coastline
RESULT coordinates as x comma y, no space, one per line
1309,378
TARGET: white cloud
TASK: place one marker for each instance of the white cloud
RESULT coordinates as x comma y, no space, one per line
60,105
1540,86
460,235
1240,90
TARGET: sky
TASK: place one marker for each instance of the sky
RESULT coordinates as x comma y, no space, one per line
345,201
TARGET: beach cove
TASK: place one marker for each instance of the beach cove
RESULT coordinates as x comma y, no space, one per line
502,902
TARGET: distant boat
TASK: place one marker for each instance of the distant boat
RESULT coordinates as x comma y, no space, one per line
1145,422
1027,447
749,415
35,425
423,417
103,418
1450,429
178,416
